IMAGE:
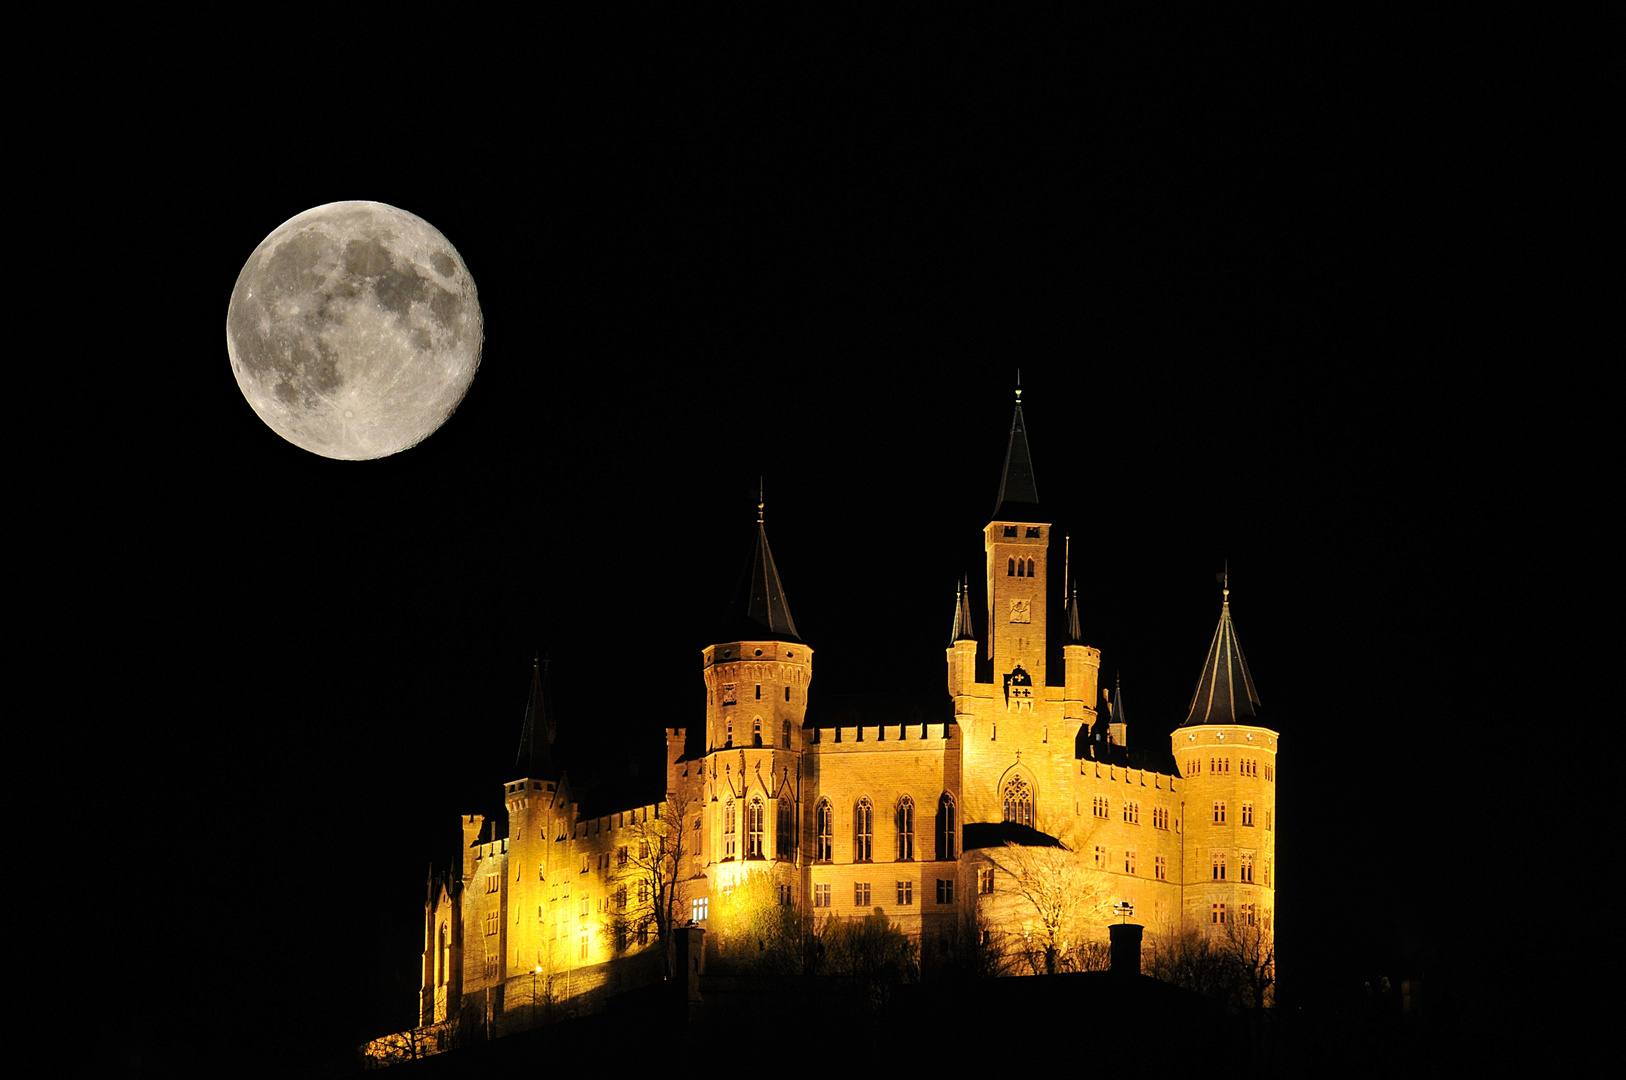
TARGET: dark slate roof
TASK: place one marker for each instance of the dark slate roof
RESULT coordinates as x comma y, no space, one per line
1075,632
1018,498
1093,746
535,757
962,615
987,834
759,610
1225,692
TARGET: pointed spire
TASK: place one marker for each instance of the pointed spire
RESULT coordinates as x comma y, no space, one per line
1075,632
1225,692
1018,498
535,758
962,613
759,608
1118,716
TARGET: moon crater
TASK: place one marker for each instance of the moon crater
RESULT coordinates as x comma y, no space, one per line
354,330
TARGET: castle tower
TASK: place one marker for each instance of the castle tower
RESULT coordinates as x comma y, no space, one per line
757,679
531,801
1016,542
1228,759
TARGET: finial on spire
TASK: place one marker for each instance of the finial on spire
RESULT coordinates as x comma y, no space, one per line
1224,579
1018,386
760,500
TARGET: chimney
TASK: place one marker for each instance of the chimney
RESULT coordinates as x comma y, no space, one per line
1125,948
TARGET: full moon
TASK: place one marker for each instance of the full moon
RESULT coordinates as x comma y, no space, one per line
354,330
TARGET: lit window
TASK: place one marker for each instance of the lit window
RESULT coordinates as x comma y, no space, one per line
1019,802
985,880
861,893
784,840
906,828
729,839
946,833
945,890
824,845
753,830
697,908
863,831
906,893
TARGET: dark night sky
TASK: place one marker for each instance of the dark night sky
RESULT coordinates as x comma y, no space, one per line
1304,298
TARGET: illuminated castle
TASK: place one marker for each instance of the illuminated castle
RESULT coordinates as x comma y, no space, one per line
925,818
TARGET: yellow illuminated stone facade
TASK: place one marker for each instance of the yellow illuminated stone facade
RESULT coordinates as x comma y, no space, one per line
849,814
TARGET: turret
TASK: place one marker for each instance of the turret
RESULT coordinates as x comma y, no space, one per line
1082,666
962,649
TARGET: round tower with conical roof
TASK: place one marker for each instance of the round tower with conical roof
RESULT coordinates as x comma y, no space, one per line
1227,758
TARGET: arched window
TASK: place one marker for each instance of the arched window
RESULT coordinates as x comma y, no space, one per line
784,734
1030,568
863,831
1010,567
445,956
1019,802
785,836
753,830
729,838
1021,568
756,731
825,821
906,828
947,837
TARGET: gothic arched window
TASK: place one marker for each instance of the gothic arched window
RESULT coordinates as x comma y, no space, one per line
1010,567
753,830
825,824
863,831
1019,802
946,834
906,828
729,838
756,731
1021,568
1030,568
784,734
785,836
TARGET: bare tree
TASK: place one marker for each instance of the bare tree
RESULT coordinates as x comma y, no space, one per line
655,873
1059,900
